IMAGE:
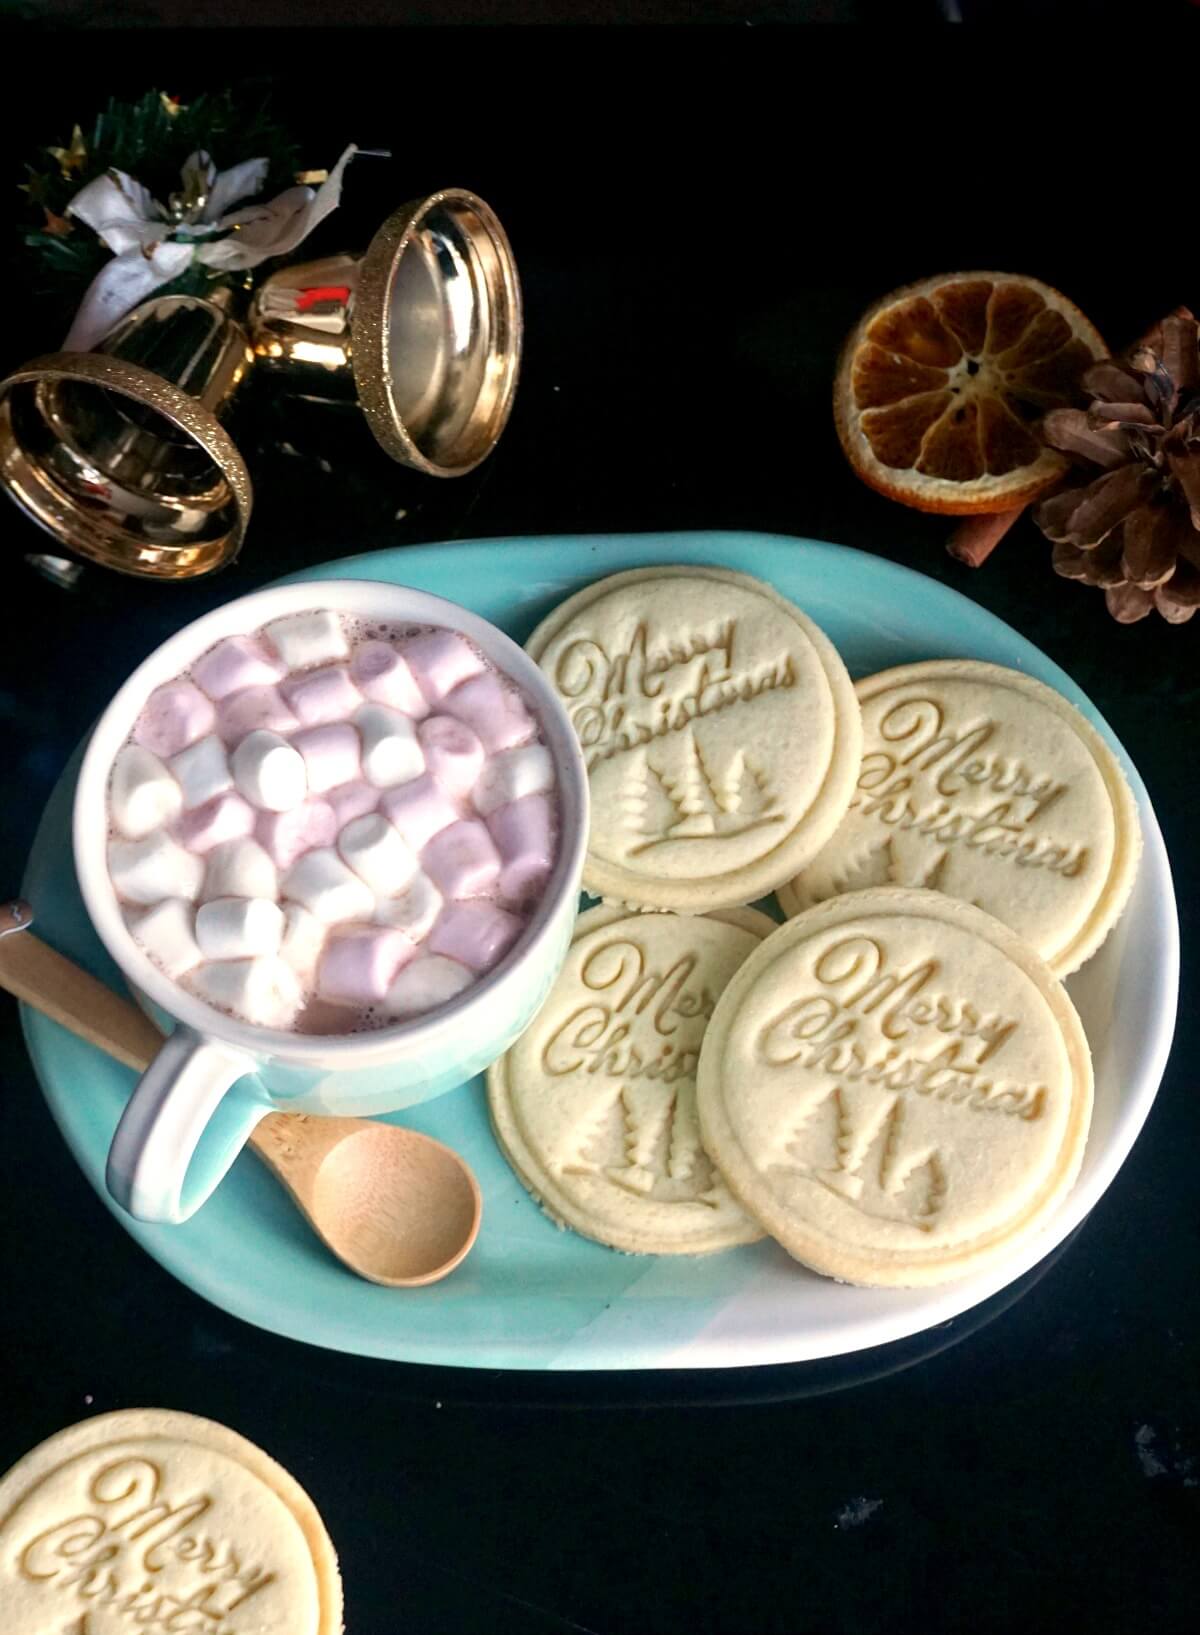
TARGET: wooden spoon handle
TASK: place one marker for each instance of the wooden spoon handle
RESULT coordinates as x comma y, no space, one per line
35,973
56,986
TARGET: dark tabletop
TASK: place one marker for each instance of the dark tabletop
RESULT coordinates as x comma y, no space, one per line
699,217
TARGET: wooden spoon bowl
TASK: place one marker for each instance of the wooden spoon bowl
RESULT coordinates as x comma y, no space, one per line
397,1207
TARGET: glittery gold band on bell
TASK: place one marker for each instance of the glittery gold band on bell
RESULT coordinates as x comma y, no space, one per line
125,462
424,331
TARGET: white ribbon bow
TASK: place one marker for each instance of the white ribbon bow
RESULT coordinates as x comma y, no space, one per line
151,247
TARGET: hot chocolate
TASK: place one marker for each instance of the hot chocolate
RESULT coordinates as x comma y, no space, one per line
331,825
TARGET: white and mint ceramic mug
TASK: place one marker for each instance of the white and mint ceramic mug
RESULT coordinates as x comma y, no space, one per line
215,1076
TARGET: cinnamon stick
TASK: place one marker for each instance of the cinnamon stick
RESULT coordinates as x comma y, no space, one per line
975,538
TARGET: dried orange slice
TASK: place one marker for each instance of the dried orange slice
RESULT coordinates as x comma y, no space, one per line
941,389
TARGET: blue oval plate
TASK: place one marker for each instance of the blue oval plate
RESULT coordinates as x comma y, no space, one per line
534,1297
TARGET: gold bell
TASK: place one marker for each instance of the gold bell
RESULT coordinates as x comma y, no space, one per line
121,453
423,331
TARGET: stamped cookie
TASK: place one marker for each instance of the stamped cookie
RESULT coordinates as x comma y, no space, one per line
719,727
987,785
897,1088
595,1105
150,1520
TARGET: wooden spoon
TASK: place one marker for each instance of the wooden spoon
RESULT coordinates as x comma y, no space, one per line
394,1206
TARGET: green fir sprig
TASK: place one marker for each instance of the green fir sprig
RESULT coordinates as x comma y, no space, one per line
149,138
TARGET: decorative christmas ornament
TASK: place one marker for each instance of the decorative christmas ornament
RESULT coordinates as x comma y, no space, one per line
118,444
1129,521
424,331
72,159
121,453
151,138
153,244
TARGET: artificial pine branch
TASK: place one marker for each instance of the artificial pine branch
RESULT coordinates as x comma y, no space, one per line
146,140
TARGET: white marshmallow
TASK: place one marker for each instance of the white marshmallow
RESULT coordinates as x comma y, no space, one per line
146,871
239,868
305,639
390,751
203,771
239,927
269,772
374,850
165,932
303,940
262,991
331,755
512,775
328,889
142,795
414,911
428,980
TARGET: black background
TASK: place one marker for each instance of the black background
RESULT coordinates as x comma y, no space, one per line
699,215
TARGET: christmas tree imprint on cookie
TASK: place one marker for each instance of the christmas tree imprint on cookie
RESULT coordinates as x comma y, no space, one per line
879,1178
678,798
595,1105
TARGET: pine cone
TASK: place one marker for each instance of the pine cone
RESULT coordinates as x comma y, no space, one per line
1134,529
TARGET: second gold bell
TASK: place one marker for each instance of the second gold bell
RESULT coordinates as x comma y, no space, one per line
120,453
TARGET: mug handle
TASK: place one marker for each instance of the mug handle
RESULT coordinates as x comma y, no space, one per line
154,1170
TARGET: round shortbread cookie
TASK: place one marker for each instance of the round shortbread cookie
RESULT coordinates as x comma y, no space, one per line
989,786
896,1087
153,1519
595,1105
720,730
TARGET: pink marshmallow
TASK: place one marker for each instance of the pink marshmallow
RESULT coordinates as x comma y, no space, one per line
357,967
235,664
462,861
525,833
493,710
352,800
228,817
383,676
439,660
331,755
419,809
252,710
317,696
475,934
453,753
173,717
285,836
